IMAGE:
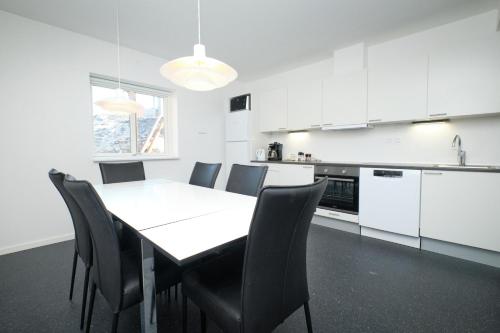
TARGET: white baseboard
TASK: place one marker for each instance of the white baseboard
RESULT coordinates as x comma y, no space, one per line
37,243
391,237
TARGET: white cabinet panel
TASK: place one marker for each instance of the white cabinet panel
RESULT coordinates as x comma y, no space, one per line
273,110
461,207
237,126
345,98
464,78
397,85
304,105
287,175
236,153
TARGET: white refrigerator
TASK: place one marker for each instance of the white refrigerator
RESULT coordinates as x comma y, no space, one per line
238,142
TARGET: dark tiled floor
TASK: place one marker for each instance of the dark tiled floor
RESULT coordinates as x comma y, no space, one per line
356,284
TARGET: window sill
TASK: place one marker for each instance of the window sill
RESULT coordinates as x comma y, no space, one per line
130,158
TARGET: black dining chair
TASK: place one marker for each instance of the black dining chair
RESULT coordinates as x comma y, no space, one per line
257,291
205,174
116,273
122,172
83,242
246,179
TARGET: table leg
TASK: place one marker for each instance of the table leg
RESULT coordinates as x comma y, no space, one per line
148,304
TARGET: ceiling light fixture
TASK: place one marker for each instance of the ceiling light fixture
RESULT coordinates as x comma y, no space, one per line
121,101
198,72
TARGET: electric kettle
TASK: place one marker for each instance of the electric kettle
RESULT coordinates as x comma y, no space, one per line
260,154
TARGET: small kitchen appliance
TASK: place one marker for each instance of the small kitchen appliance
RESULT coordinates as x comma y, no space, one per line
260,154
275,151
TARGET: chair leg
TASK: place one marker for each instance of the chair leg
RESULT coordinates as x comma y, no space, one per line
84,300
114,327
176,292
75,260
203,320
91,306
184,314
308,317
168,292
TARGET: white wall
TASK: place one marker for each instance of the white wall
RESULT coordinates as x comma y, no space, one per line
47,122
422,143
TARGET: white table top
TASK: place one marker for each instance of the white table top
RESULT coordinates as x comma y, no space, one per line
188,238
152,203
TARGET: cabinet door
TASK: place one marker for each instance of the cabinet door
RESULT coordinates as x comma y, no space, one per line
397,86
297,174
273,176
287,175
304,105
344,99
464,78
461,207
273,110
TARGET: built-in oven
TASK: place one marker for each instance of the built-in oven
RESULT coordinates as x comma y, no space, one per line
341,197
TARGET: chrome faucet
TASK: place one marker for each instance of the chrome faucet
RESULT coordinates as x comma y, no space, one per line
457,142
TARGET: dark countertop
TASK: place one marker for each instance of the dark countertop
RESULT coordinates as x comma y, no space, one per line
415,166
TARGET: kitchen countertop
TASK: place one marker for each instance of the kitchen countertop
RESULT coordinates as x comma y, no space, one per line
417,166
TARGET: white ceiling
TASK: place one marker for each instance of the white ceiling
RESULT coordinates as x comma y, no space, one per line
257,37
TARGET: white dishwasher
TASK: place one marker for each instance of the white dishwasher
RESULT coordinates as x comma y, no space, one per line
389,204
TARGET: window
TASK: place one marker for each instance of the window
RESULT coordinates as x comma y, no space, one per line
129,136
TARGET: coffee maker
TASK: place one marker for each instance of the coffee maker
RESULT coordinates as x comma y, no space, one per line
275,151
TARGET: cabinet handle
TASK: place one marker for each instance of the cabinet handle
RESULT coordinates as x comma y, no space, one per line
307,166
437,173
315,125
437,114
328,124
333,214
282,128
374,120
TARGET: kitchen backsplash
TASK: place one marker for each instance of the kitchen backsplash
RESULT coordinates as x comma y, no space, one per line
404,143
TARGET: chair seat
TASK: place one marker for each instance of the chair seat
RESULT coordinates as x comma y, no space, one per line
215,287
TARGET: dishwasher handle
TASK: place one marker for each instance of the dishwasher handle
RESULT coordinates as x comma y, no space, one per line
388,173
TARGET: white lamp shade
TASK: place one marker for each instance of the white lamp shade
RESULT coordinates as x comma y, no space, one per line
198,72
120,103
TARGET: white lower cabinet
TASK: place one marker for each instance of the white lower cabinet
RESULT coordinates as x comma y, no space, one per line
461,207
286,174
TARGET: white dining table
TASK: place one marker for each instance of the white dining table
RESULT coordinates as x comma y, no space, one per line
181,221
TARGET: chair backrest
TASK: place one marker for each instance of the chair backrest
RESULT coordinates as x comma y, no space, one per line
274,271
122,172
204,174
246,179
106,248
80,223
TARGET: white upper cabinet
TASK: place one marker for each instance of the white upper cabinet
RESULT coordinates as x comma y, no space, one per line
397,82
304,105
464,78
273,110
344,99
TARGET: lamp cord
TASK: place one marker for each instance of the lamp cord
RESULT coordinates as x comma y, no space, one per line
199,23
118,41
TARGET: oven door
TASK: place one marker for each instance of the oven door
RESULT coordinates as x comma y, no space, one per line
341,194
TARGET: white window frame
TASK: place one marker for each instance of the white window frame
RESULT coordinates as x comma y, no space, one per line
170,114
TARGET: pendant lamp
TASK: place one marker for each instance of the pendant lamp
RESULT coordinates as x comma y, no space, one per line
198,72
120,101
